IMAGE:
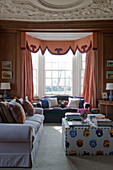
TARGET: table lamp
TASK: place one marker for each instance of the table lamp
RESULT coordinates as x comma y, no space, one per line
109,86
5,86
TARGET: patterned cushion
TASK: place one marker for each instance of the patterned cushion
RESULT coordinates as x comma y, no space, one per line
28,107
5,114
17,112
63,103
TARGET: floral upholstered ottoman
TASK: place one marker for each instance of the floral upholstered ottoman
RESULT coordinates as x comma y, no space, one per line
86,140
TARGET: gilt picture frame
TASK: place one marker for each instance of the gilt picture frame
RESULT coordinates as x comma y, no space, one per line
7,65
109,74
6,74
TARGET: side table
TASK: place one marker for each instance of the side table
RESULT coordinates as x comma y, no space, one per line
105,103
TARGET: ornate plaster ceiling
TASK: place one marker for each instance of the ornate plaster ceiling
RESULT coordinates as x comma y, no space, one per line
59,10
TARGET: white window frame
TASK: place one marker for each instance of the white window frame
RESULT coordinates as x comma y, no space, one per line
76,74
56,78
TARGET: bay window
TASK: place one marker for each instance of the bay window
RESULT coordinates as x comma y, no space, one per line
58,74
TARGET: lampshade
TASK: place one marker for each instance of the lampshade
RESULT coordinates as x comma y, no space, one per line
109,86
5,86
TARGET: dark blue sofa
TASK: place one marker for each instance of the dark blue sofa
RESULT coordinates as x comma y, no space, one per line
55,114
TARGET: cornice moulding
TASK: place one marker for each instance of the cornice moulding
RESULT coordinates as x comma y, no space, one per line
46,10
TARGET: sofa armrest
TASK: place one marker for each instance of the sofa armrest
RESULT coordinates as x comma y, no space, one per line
15,133
38,110
86,105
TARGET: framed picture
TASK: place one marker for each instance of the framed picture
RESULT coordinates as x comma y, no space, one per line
109,75
7,65
110,63
6,74
104,95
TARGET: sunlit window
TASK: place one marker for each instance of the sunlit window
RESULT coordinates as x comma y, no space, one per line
83,61
58,73
54,74
35,72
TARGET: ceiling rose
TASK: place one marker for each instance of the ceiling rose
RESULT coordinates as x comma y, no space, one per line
65,4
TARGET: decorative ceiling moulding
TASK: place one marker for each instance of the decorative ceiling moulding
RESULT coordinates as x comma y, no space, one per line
48,10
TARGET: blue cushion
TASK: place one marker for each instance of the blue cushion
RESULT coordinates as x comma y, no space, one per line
81,103
45,103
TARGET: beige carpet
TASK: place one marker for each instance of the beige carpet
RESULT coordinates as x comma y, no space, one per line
51,156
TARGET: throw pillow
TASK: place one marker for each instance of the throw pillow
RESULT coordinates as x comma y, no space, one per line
63,103
73,102
52,102
45,103
5,114
81,103
17,112
19,101
28,107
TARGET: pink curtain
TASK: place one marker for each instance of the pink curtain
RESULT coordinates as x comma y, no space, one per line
89,87
27,74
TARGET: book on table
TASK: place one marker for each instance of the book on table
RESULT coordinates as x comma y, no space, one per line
77,123
73,116
102,122
101,116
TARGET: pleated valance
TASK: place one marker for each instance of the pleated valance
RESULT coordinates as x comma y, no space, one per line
59,47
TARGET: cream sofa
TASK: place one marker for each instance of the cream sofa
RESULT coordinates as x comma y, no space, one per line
19,142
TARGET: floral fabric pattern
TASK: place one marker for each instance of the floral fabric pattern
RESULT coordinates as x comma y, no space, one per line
63,103
80,140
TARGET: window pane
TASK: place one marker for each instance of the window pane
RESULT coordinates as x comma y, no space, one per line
48,58
34,89
82,81
68,74
83,61
61,82
61,74
68,82
48,90
82,73
48,74
54,66
68,90
84,57
61,67
54,82
54,74
48,82
83,65
48,66
54,90
61,90
34,73
81,89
